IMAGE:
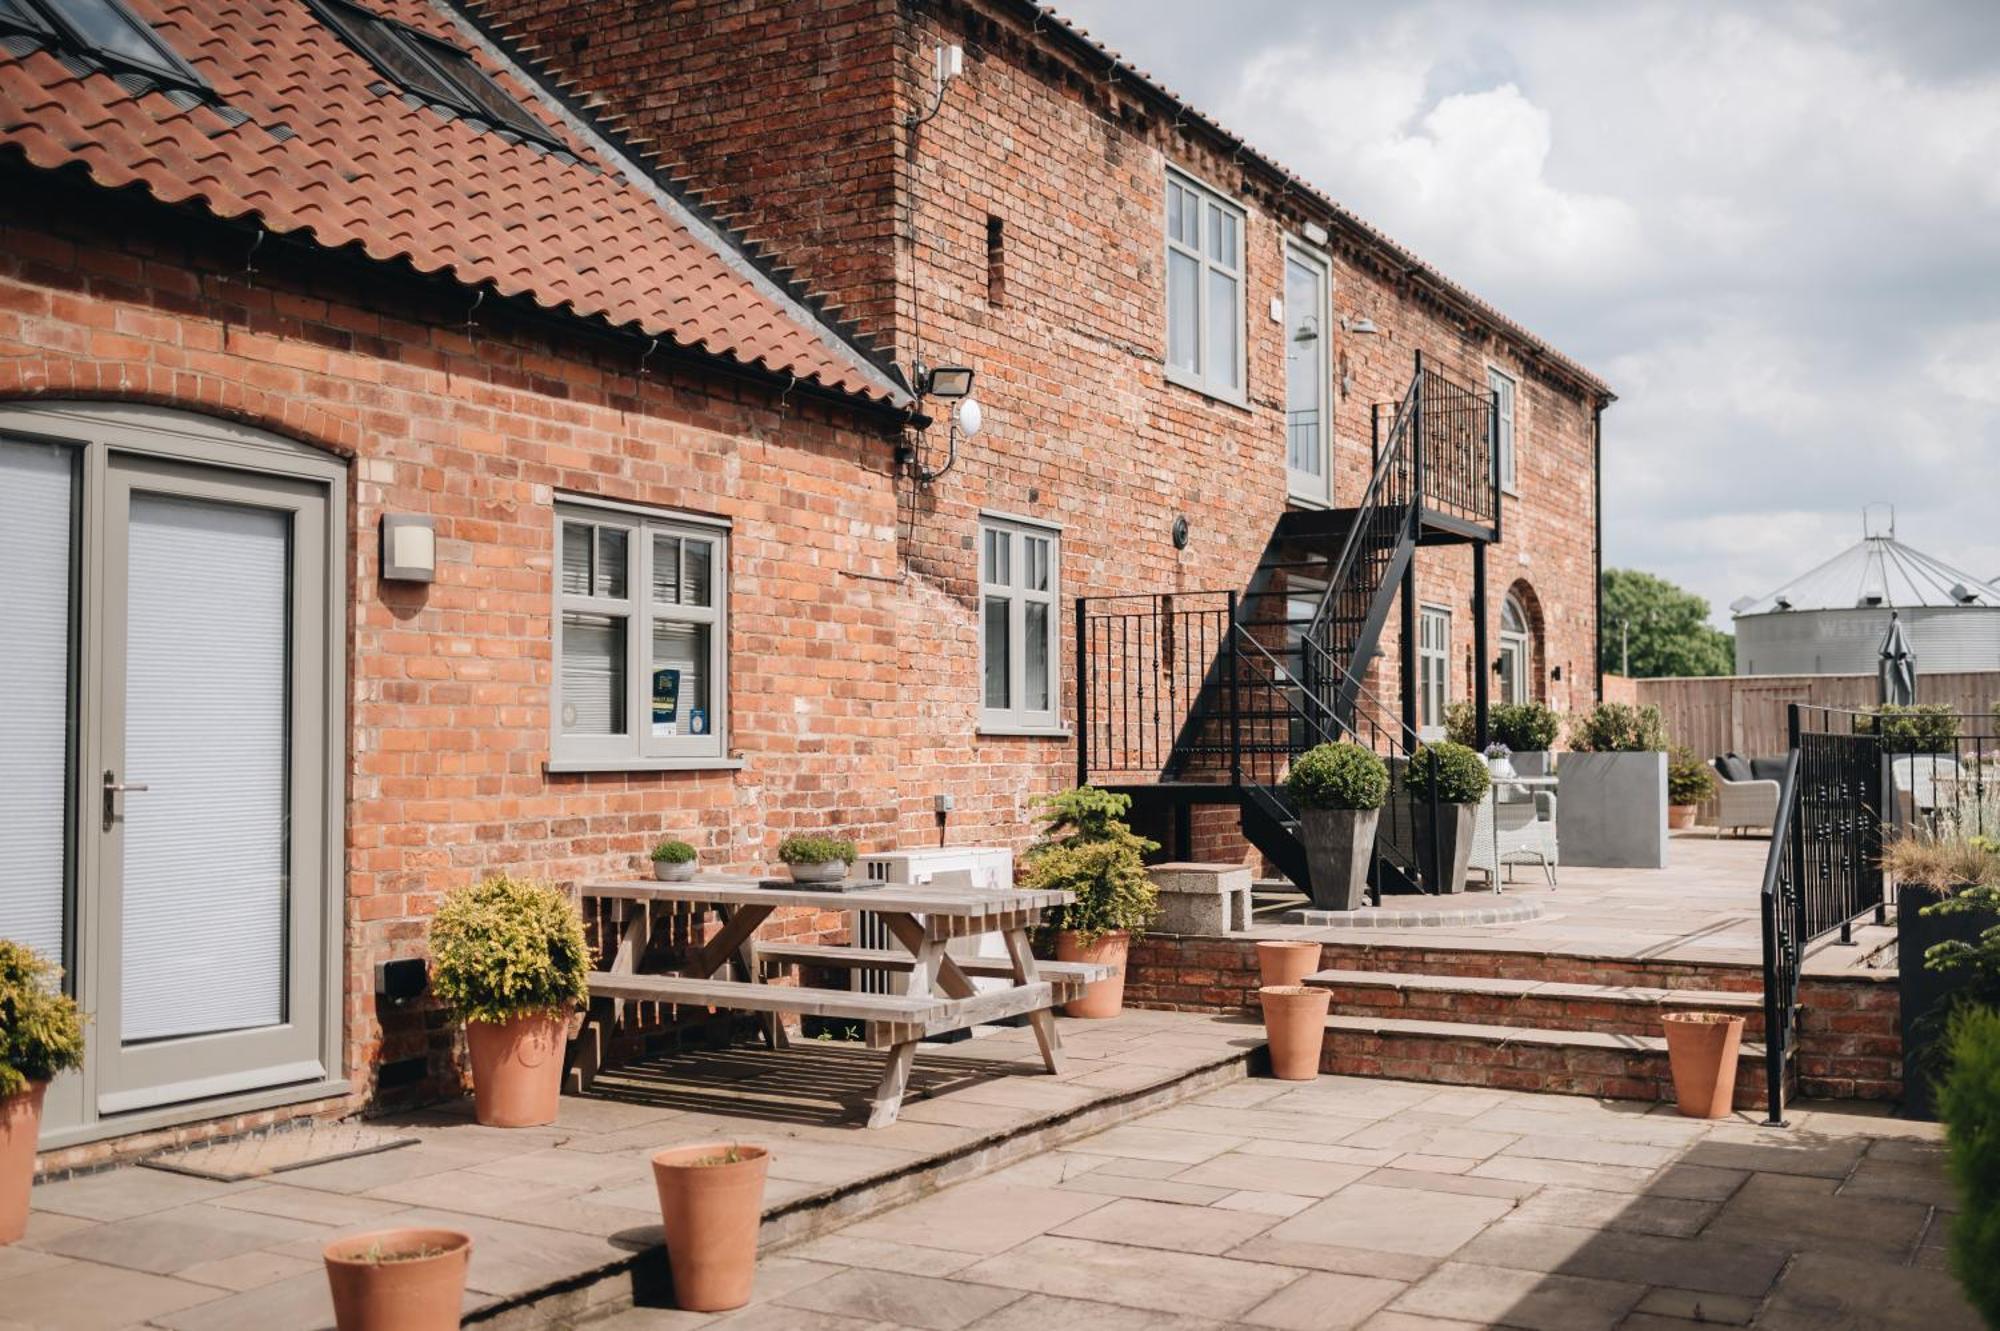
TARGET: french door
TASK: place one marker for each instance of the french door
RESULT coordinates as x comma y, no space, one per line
180,579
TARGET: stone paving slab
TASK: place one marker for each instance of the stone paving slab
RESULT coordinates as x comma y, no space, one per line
565,1218
1833,1226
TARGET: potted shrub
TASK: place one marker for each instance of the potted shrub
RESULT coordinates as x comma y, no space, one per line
1614,789
1529,730
398,1279
509,958
1948,947
1701,1049
1086,849
1689,782
1339,790
1458,779
816,859
1499,759
711,1206
673,861
41,1034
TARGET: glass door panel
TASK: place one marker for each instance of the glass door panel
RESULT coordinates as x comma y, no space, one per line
1307,346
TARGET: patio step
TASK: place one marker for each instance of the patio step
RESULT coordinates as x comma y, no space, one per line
1517,1058
1605,1009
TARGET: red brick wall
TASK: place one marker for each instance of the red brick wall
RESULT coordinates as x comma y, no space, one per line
1082,428
479,428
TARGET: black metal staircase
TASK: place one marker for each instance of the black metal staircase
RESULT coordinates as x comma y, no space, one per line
1196,700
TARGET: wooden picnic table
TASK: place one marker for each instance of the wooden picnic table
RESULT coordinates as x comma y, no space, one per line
939,995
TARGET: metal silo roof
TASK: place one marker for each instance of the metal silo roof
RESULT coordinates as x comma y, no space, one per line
1875,571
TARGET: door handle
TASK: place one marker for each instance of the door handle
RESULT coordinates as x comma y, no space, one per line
113,788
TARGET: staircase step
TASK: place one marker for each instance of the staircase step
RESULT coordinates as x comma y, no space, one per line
1608,1009
1518,1058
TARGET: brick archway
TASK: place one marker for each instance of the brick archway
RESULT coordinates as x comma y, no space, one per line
63,379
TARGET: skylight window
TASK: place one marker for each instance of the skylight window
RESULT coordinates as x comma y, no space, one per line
104,33
432,69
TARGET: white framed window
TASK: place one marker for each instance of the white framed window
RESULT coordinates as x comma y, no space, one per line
1020,657
1516,652
1503,389
1308,374
1204,289
641,639
1433,668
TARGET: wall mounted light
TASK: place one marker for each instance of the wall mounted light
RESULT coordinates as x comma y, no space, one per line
1359,325
409,548
948,382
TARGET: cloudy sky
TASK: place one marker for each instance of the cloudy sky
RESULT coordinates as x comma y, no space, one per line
1773,227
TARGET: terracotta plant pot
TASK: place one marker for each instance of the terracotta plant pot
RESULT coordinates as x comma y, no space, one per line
1102,999
1295,1025
20,1124
1702,1049
1286,961
711,1204
1681,816
517,1069
398,1279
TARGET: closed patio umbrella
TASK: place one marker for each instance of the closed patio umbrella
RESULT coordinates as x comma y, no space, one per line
1898,667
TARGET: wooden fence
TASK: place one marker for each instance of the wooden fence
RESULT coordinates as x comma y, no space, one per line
1746,714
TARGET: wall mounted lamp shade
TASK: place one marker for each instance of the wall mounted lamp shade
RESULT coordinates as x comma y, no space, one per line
949,382
409,548
970,416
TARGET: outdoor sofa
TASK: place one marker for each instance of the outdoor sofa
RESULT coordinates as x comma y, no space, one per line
1746,792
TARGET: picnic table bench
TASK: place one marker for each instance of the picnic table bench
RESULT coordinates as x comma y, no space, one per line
938,990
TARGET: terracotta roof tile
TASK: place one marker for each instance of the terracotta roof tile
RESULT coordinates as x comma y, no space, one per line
316,151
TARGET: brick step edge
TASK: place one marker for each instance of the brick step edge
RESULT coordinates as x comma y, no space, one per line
1515,1058
1605,1009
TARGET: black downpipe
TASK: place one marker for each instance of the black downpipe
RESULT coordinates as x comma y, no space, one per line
1482,674
1597,537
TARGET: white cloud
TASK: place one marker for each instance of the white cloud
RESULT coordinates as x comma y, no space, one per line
1775,229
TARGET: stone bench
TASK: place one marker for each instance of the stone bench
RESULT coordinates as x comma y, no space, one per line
1202,898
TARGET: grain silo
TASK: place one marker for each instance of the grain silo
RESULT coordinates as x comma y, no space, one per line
1830,620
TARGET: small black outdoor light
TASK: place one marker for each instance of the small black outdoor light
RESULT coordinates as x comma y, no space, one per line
1181,532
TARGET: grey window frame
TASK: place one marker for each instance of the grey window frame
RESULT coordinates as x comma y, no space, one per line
1202,378
1516,686
1506,426
1018,718
1433,669
639,749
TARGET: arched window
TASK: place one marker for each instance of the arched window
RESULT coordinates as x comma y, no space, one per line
1517,655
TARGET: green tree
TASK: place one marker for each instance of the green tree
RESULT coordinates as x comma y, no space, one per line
1664,629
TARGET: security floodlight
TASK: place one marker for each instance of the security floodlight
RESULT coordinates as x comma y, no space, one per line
948,382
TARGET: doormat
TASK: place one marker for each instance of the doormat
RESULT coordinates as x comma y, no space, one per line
276,1152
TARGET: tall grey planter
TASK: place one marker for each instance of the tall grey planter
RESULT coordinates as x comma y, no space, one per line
1453,849
1339,844
1614,810
1534,762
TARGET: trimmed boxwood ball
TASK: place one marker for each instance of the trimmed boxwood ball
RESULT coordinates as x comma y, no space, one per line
41,1032
1457,773
507,948
803,849
1338,776
673,852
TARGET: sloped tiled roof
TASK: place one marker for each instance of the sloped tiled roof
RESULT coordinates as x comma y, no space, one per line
305,138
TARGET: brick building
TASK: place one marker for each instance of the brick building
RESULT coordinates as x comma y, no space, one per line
1017,220
603,320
